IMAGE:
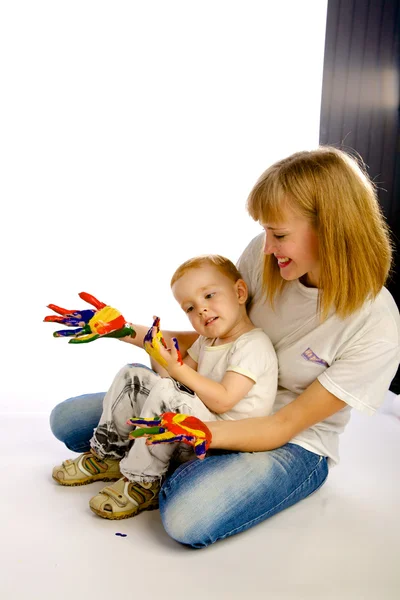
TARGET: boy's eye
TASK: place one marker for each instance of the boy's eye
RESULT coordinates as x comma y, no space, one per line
279,237
208,296
188,310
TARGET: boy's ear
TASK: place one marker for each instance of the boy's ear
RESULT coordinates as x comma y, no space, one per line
242,291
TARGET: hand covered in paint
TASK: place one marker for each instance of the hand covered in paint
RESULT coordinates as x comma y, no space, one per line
155,346
91,324
173,427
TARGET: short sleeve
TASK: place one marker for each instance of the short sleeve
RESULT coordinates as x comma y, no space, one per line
194,350
252,356
362,374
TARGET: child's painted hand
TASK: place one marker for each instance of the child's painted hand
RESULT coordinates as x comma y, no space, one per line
155,346
90,324
173,427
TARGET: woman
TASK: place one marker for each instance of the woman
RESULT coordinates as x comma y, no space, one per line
316,277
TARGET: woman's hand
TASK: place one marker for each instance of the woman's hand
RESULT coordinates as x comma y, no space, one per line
154,344
173,427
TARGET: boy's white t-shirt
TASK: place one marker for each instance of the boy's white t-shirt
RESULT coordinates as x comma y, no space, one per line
252,355
354,358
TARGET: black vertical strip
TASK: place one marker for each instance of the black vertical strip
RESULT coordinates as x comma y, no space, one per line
387,154
346,127
360,100
390,84
328,76
374,130
361,66
394,215
343,41
355,66
369,83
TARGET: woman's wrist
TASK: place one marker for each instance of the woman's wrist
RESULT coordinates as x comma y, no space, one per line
215,428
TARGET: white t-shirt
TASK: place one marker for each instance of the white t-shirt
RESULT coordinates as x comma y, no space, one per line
252,355
354,358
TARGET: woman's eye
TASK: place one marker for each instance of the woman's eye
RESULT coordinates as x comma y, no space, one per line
279,237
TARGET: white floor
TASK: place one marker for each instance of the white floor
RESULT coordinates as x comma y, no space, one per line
341,543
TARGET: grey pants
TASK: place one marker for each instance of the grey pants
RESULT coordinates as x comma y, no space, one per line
139,392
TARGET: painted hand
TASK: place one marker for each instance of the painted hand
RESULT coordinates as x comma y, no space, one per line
91,324
173,427
155,346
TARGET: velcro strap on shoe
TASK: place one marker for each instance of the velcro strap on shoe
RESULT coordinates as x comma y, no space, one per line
70,467
121,499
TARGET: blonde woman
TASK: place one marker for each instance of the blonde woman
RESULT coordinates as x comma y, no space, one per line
316,277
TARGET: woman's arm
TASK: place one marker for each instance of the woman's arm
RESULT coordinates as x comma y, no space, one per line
267,433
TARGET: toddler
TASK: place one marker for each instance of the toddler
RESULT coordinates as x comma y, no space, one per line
230,372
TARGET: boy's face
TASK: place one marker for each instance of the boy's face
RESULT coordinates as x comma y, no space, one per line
212,301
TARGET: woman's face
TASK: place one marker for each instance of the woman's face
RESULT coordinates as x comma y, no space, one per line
294,244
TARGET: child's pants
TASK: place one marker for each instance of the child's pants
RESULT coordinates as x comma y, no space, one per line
138,391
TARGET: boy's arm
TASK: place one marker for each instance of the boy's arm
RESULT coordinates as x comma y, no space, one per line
185,338
188,360
218,397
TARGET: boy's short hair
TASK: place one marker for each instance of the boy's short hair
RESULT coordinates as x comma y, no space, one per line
214,260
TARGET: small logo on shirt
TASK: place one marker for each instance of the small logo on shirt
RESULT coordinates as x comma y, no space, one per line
311,356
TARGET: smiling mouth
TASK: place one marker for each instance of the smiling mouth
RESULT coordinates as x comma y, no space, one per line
283,262
209,321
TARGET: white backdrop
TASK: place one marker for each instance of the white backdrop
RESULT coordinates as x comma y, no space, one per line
131,134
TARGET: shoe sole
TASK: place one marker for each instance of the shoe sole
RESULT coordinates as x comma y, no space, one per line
86,481
119,516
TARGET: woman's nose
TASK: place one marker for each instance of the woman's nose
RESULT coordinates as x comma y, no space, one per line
268,247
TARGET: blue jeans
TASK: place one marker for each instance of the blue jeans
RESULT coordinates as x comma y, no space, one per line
228,492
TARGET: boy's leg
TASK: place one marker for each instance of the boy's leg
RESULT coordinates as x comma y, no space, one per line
144,466
125,398
110,442
148,463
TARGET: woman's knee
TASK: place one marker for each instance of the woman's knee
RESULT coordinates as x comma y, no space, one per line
73,420
59,421
186,505
179,523
205,501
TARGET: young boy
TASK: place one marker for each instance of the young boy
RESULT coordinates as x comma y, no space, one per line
230,372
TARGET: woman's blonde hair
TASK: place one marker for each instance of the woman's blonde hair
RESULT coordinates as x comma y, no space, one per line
330,189
214,260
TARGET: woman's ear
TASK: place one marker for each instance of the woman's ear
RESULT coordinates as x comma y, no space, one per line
241,291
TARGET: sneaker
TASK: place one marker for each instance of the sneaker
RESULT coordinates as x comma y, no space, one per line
86,468
124,499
